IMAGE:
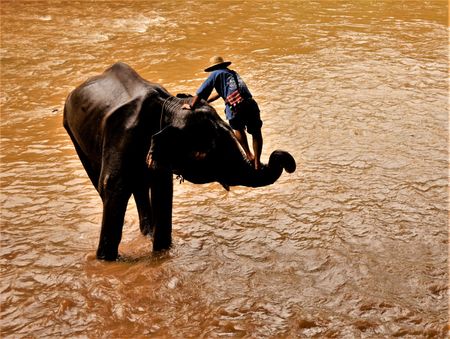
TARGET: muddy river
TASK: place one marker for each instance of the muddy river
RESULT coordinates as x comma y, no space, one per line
353,244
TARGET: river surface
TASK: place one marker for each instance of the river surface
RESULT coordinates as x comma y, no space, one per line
353,244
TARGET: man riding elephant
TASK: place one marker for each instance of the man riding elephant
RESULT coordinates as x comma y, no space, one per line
117,120
241,110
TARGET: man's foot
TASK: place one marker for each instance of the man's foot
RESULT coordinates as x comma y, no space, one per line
250,157
257,165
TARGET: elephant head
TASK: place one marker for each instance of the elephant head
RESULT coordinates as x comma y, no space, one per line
199,146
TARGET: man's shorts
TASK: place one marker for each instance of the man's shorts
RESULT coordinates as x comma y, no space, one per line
247,116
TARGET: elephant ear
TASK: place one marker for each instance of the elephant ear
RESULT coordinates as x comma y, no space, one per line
163,147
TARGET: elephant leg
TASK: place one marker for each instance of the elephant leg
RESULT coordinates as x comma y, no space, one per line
142,199
115,200
162,196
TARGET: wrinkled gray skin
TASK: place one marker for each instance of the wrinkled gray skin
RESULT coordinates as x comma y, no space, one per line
117,119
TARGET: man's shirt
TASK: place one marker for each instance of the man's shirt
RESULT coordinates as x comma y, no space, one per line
223,81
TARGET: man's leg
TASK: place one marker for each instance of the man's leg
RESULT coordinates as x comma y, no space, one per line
254,123
242,138
257,147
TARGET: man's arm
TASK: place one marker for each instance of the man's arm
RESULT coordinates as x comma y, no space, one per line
203,92
213,97
194,101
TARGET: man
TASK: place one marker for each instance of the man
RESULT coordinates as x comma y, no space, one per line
241,110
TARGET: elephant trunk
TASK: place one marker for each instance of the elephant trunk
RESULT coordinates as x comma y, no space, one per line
268,174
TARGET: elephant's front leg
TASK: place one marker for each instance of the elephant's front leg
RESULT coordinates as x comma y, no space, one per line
142,198
162,196
115,199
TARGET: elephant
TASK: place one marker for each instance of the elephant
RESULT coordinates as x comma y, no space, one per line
132,137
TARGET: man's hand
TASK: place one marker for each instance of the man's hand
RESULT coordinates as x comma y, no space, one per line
191,106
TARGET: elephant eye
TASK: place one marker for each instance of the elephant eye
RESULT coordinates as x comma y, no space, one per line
198,155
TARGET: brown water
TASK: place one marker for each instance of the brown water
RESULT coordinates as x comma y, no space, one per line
353,244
